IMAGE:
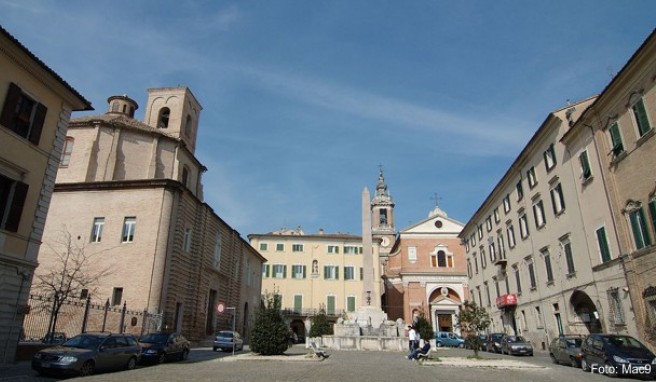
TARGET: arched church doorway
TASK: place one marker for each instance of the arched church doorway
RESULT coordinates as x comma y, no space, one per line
444,304
297,328
586,311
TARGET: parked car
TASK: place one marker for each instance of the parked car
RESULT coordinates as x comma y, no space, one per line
54,338
614,355
481,339
493,344
87,353
516,345
162,347
566,350
228,340
449,339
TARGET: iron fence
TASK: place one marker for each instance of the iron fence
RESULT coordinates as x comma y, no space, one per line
82,315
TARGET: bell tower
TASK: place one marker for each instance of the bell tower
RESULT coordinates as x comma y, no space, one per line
382,222
175,112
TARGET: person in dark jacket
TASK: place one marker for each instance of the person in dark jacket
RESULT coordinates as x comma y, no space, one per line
422,350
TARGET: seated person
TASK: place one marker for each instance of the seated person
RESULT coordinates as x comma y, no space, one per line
423,350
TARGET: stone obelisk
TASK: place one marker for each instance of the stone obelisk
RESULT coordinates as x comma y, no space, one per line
368,294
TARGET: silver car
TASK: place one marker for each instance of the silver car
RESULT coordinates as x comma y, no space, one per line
516,345
228,340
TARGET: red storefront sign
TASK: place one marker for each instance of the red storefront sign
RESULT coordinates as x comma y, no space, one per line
509,299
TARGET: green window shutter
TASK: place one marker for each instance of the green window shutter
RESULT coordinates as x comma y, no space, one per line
304,271
336,273
645,231
350,302
616,139
284,271
267,270
652,212
641,117
585,165
330,305
361,273
603,244
298,303
325,272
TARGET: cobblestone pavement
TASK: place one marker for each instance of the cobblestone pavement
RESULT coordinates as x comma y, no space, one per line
453,365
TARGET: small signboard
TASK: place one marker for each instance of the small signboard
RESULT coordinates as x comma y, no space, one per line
220,307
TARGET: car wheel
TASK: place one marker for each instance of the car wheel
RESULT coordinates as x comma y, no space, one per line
162,358
584,365
439,345
461,346
608,372
132,363
185,355
553,359
573,362
87,368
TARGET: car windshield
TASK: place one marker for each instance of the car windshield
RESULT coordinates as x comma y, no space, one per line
154,338
516,339
497,336
573,343
84,342
224,335
624,342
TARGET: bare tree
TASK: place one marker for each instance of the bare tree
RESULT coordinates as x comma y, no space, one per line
70,273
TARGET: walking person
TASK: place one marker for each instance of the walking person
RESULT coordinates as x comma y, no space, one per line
413,337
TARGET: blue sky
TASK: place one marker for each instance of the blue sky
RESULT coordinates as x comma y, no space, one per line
304,99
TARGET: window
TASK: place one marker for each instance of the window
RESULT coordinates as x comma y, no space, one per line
472,240
638,222
520,190
298,303
129,225
349,272
538,214
550,158
186,242
615,140
264,247
496,215
652,213
532,179
216,256
187,130
469,268
488,223
298,271
466,245
185,176
531,273
96,231
487,294
523,226
442,259
12,199
517,278
117,296
163,118
496,286
480,231
66,152
361,273
586,172
506,204
265,270
538,317
333,249
640,117
330,305
279,271
330,272
350,303
602,241
493,251
480,299
615,304
412,254
557,200
23,115
483,259
547,266
510,231
502,245
350,250
280,247
566,245
297,247
475,263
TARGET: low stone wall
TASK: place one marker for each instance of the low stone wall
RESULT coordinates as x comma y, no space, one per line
369,343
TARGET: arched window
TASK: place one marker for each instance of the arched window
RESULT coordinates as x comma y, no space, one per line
441,259
188,126
115,106
185,176
163,119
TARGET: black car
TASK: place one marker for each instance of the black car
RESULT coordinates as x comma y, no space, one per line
566,350
493,344
162,347
87,353
614,355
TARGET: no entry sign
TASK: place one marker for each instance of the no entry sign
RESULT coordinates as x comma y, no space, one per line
220,308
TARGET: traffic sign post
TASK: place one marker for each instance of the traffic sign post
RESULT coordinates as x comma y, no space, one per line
220,309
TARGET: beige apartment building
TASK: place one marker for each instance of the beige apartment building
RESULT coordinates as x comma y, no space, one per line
618,131
564,244
425,273
36,107
310,272
129,194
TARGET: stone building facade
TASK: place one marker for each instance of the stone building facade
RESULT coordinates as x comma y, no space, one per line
36,108
129,195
